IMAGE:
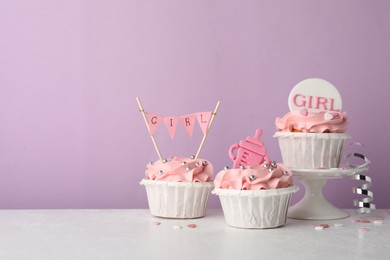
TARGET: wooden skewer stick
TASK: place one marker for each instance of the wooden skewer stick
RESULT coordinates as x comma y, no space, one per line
147,125
208,129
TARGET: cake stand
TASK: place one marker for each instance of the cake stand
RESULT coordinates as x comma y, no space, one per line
313,205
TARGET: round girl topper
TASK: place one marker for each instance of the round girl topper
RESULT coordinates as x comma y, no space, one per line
315,95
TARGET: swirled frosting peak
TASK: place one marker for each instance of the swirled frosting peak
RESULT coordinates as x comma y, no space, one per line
254,177
180,169
312,122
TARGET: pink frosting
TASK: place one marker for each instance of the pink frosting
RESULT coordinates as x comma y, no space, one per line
175,170
312,122
254,177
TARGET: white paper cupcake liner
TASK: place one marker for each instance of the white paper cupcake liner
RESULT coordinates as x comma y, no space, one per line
177,199
255,208
311,150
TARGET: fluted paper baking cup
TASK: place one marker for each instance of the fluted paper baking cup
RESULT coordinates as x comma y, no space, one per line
311,150
177,199
255,208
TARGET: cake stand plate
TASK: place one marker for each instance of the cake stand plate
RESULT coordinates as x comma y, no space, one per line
313,205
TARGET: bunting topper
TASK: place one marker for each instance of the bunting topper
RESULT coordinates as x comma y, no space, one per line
152,121
188,122
171,122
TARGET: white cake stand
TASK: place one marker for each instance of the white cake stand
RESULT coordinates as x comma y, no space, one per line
313,205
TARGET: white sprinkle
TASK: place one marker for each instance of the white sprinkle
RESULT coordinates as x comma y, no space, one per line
378,222
177,227
328,116
318,228
339,225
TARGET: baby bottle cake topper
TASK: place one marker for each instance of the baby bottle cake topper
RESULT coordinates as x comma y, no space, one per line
315,95
249,151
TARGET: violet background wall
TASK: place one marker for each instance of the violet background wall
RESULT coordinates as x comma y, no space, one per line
71,135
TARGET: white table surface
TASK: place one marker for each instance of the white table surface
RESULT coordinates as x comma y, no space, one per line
131,234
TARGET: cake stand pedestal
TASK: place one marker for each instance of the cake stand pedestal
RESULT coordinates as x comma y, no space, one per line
313,205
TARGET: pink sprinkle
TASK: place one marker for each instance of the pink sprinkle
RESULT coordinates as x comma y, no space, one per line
191,225
363,229
320,227
303,112
317,227
355,220
388,212
365,221
336,115
156,223
379,218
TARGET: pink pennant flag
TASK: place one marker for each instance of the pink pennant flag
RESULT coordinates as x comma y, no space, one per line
203,120
171,124
188,122
153,122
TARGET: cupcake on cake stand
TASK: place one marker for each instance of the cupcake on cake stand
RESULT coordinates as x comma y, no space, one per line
311,138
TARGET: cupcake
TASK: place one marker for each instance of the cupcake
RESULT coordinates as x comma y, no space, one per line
311,140
312,134
256,192
178,187
256,196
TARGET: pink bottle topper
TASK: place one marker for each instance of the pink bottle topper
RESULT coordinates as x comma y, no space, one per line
249,151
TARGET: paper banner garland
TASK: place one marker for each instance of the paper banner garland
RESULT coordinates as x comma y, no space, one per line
203,120
153,122
171,122
188,122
